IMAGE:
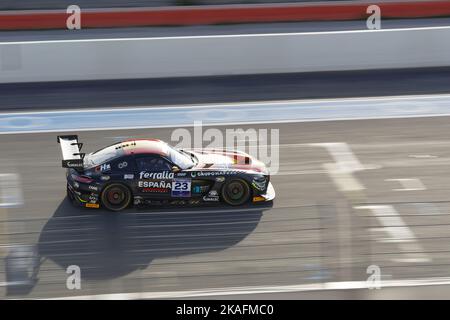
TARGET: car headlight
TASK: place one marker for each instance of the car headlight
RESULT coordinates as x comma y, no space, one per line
260,182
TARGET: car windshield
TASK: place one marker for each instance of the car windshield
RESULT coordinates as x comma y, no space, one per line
101,156
181,158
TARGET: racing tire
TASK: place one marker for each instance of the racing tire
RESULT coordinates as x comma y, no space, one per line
116,197
236,192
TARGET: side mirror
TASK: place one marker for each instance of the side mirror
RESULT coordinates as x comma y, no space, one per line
175,169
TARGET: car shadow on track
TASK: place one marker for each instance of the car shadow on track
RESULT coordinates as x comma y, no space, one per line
108,245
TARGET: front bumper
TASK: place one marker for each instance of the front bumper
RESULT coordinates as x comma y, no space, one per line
268,196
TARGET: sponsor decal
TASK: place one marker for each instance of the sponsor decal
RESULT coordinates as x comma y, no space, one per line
208,198
92,205
93,198
76,185
212,196
181,174
155,184
138,200
94,188
105,167
122,165
200,189
155,190
212,193
128,176
212,173
181,188
156,175
105,178
72,163
220,179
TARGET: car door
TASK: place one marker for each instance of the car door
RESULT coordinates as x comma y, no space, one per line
154,176
123,170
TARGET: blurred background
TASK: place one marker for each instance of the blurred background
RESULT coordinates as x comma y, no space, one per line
359,94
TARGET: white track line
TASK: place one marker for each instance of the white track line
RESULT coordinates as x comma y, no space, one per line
229,124
248,35
411,184
235,104
346,163
221,124
345,285
399,233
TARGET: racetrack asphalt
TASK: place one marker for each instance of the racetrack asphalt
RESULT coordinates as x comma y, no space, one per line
315,232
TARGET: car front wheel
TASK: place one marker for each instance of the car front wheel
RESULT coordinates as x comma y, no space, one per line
236,192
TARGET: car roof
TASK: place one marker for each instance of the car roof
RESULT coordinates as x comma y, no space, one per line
143,146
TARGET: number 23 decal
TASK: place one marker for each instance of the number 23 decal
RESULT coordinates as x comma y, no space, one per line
181,185
181,188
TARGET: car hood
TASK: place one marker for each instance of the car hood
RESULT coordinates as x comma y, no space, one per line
214,159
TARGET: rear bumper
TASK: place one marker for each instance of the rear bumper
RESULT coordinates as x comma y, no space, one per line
82,199
71,193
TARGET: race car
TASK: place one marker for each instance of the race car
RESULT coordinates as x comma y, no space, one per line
151,172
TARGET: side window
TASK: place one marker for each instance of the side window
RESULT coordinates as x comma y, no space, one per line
123,164
152,164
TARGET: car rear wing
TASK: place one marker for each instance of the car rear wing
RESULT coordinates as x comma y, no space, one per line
70,148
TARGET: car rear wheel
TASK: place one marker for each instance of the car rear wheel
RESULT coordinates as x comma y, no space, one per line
116,197
236,192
